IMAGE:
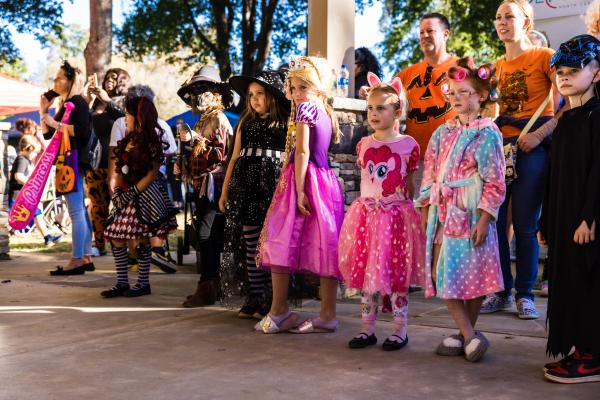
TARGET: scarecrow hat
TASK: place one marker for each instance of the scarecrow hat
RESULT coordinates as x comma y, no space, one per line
576,52
271,80
204,80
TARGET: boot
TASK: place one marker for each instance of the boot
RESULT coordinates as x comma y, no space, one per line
206,294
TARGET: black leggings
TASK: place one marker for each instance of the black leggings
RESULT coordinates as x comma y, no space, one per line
209,244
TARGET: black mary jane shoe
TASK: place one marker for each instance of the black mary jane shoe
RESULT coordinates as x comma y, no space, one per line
89,266
362,340
60,271
392,345
137,291
115,291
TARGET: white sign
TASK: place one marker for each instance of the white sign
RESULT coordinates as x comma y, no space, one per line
544,9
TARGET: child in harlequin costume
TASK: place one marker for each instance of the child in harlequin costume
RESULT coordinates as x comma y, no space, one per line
300,233
252,172
382,249
462,190
142,208
570,217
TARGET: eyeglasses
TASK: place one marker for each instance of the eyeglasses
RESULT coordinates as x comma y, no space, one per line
460,93
427,77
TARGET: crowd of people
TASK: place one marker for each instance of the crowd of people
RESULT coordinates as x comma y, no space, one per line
484,148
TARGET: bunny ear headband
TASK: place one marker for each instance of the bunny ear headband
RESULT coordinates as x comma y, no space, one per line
395,84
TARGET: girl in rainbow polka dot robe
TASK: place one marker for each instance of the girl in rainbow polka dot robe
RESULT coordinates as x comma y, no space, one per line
462,189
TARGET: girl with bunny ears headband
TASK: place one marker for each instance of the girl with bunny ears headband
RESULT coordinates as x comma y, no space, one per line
377,226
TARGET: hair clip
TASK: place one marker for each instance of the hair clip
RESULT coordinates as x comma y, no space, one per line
459,74
494,94
483,72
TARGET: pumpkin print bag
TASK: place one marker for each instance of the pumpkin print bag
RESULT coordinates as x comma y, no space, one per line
66,166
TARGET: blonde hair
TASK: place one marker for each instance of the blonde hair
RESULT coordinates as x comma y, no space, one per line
386,89
27,143
592,16
316,72
527,11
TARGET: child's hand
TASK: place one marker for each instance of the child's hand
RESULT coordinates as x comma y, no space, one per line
223,202
481,229
541,239
302,204
583,234
363,92
424,217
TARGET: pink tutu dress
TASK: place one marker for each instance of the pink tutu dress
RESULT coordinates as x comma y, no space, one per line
290,242
382,249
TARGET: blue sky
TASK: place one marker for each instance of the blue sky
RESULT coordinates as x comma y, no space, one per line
77,12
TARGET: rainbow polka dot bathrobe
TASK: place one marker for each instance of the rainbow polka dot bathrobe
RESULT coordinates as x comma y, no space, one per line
464,173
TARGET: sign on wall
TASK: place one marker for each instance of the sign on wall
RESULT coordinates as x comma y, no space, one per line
558,8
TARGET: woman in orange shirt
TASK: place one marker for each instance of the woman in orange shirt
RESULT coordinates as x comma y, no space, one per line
525,81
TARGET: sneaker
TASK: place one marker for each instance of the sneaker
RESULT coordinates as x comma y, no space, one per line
496,302
581,369
164,262
526,309
50,240
544,289
561,363
251,308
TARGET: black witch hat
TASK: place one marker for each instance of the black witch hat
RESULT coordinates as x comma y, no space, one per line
271,80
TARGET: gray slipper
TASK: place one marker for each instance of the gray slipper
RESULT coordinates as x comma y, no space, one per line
444,350
476,348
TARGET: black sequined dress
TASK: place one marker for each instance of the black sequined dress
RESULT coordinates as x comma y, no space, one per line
251,188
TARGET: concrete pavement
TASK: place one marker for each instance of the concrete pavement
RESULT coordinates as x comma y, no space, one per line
60,340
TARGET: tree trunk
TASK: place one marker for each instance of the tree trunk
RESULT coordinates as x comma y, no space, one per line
98,51
222,23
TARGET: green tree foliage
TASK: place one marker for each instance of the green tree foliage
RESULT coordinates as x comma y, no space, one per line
16,69
238,34
68,43
472,22
37,17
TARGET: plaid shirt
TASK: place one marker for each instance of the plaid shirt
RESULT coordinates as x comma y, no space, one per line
210,159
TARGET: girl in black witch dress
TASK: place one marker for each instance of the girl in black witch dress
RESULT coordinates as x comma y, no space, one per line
250,182
570,217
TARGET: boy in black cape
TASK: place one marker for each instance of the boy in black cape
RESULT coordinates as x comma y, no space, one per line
570,215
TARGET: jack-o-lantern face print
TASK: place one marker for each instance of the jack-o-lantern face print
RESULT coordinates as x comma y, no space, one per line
425,105
65,179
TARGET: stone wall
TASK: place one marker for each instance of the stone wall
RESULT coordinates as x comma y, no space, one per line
352,117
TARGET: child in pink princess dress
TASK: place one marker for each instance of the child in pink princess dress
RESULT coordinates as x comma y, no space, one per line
300,233
382,250
463,187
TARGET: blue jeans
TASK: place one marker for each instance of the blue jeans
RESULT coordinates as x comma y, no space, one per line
81,227
527,193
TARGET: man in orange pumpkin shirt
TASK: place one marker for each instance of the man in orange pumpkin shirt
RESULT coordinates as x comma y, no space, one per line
427,105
